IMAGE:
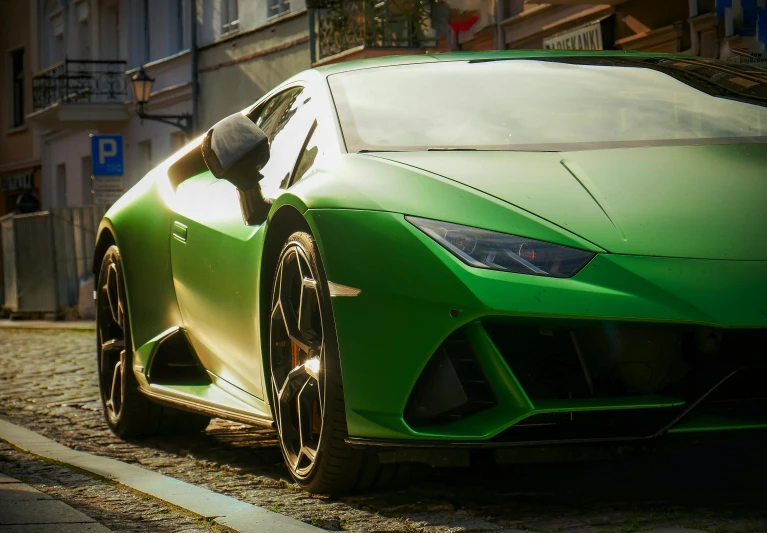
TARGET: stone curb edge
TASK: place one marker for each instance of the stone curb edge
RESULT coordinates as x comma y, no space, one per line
224,510
75,325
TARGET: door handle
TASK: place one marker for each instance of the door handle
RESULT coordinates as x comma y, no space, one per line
179,231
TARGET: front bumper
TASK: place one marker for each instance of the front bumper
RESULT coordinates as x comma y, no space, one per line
415,295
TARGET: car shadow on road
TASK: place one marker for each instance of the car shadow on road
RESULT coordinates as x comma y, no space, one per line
677,485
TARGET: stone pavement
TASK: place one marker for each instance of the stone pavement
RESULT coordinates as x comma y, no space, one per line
24,509
48,384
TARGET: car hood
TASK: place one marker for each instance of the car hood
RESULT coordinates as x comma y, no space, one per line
704,202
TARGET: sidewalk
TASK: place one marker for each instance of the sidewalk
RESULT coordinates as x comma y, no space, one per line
24,509
210,509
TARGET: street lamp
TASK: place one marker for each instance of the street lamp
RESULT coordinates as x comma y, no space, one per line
141,85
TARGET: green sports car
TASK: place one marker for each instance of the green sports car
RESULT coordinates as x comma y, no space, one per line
407,259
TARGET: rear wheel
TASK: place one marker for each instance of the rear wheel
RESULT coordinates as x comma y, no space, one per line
128,412
307,391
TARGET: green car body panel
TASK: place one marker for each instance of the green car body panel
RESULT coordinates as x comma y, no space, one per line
680,238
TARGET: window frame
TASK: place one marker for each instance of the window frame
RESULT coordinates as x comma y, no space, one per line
16,81
275,8
230,22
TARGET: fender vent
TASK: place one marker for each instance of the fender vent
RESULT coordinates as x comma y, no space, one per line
175,363
451,387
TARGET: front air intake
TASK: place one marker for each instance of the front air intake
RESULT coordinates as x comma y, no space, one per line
451,387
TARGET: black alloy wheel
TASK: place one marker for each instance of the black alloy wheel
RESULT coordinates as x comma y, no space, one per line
128,413
307,391
298,359
113,342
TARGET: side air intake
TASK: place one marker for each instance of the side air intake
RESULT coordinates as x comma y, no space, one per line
175,363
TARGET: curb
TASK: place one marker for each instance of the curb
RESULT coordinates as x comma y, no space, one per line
84,325
224,510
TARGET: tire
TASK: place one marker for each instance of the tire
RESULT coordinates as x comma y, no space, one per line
128,413
306,379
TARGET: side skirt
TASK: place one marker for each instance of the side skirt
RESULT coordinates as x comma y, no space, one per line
169,372
172,398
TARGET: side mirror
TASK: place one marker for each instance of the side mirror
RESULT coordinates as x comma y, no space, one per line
235,150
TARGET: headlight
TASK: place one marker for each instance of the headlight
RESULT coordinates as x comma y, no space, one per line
500,251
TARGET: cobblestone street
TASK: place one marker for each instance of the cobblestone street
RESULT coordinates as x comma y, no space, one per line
48,384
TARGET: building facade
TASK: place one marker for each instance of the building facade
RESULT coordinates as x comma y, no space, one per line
77,54
20,171
735,30
89,50
81,89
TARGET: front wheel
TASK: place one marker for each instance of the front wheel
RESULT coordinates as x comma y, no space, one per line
307,390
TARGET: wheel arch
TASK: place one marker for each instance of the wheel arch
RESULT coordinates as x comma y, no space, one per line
285,219
139,225
105,238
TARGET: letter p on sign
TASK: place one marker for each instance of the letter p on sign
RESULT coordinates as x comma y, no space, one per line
107,148
107,155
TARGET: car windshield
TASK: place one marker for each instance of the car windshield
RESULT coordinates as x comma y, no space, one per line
550,104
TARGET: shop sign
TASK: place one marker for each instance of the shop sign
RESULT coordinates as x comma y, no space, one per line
584,38
758,59
17,182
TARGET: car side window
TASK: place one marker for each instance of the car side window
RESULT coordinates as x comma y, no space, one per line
286,120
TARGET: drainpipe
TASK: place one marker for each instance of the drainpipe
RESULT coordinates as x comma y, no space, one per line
194,57
312,38
500,38
146,31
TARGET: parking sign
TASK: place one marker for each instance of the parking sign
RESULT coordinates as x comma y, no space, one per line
107,155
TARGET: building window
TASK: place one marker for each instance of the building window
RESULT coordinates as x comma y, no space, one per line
61,185
17,87
277,7
87,180
230,18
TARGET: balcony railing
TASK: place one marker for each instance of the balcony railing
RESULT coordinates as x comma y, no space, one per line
80,81
340,25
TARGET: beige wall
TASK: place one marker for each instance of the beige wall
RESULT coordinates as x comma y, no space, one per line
236,72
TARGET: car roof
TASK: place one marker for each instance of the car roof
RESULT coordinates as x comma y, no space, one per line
387,61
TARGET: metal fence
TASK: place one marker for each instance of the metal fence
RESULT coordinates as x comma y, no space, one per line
45,255
341,25
80,81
